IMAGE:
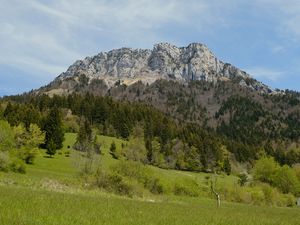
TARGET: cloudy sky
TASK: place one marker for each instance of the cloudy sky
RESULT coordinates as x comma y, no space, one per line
39,39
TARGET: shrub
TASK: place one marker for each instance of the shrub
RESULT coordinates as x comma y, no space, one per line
186,187
257,197
265,169
270,194
7,141
243,179
140,173
67,153
132,170
154,185
4,161
17,165
184,190
114,183
289,200
297,171
286,180
135,150
27,154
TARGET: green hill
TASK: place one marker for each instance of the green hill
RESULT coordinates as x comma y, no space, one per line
53,192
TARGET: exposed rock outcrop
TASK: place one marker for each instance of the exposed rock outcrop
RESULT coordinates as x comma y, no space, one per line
164,61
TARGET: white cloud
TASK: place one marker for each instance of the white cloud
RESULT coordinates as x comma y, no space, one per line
47,36
265,73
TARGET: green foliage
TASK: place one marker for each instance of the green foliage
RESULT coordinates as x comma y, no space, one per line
64,208
135,150
54,131
114,183
28,141
282,177
187,187
297,171
4,161
85,132
26,114
17,165
113,150
244,122
243,179
286,180
84,140
265,169
7,141
51,148
227,166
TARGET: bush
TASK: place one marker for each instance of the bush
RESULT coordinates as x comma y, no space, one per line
138,172
114,183
257,197
17,165
243,179
154,185
135,150
132,170
4,161
270,194
180,189
286,180
27,154
290,200
265,169
186,187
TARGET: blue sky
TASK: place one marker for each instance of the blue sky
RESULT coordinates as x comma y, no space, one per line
40,39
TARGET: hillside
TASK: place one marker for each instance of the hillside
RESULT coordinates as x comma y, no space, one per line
52,192
191,85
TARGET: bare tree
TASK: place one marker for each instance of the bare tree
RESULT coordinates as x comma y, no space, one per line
213,183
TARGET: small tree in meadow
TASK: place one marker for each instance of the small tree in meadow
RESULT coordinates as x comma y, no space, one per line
265,169
113,149
243,179
51,148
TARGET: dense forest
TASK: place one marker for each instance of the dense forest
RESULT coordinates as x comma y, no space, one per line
245,130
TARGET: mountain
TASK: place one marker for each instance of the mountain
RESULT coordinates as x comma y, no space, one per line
165,61
191,85
174,94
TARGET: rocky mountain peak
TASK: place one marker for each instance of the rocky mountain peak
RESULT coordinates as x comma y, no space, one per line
164,61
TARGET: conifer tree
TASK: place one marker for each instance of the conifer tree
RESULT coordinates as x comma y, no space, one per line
54,131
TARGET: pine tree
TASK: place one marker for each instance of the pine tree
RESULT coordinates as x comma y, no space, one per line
84,137
54,131
51,148
227,166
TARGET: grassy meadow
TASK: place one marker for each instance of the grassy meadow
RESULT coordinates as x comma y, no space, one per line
51,192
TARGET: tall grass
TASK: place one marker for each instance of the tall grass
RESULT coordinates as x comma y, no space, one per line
35,207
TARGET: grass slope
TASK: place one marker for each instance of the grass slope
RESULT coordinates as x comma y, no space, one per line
35,207
50,193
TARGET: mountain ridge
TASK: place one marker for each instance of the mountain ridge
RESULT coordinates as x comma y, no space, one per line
165,61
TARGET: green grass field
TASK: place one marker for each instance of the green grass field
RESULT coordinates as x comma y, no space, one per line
36,207
51,193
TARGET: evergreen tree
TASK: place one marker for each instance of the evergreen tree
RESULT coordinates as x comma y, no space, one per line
54,131
227,166
51,148
85,132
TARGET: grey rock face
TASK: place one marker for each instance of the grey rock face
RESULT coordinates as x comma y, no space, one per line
164,61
